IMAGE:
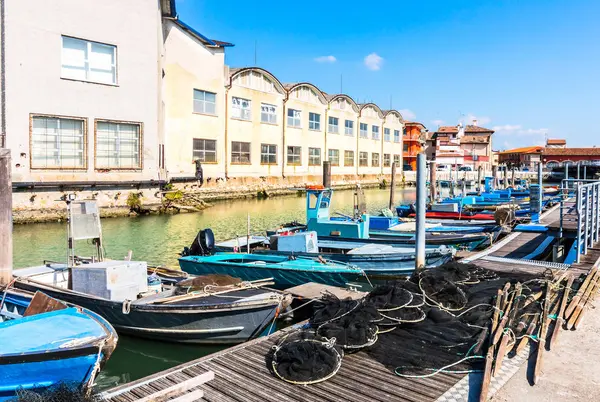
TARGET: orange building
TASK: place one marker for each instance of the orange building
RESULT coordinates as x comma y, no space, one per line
413,144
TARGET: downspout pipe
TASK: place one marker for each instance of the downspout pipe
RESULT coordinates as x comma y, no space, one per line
283,125
226,156
357,141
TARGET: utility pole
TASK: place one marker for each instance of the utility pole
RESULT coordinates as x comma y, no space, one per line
6,246
421,209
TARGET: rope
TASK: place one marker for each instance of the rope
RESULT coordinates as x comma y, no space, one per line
126,308
5,291
299,307
440,370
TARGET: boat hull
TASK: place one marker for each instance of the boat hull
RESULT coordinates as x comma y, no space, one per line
283,278
225,324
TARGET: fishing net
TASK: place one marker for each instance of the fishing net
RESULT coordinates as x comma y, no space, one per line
305,358
61,392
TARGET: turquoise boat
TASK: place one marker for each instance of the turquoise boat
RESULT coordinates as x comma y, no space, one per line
44,343
286,271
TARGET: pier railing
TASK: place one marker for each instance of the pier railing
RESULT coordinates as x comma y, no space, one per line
587,206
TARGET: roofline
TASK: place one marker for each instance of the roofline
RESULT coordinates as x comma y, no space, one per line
370,104
319,92
394,111
261,70
348,97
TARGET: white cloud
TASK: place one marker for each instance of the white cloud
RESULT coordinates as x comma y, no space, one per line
515,136
437,122
507,128
408,114
325,59
481,120
373,61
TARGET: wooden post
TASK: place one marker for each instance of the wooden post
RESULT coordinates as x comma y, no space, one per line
513,176
495,175
505,180
432,182
6,246
326,174
479,171
393,188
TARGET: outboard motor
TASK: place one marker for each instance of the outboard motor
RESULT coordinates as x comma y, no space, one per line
203,244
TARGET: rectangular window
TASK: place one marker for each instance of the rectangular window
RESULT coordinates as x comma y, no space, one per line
333,125
386,135
314,121
374,159
375,132
396,135
241,108
405,147
397,160
205,150
268,113
294,155
294,118
205,102
268,154
334,157
314,156
387,161
404,131
88,61
57,143
363,159
349,127
240,152
364,130
118,145
348,158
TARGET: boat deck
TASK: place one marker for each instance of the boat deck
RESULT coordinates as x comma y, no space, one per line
241,373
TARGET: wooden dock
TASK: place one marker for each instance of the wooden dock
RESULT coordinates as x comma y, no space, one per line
241,373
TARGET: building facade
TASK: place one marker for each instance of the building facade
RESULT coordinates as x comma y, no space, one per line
413,139
464,146
527,157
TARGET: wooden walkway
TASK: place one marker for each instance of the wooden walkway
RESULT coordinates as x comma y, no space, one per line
242,373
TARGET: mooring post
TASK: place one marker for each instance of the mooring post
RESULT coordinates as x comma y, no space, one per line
432,182
578,166
479,169
495,175
505,174
584,172
248,233
540,179
6,246
421,209
513,177
326,174
393,188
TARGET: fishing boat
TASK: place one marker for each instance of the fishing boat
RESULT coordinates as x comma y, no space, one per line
125,295
45,342
285,271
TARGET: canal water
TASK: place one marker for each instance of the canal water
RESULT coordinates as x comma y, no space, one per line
158,240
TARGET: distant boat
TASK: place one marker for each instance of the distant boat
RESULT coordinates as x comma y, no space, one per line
44,343
285,271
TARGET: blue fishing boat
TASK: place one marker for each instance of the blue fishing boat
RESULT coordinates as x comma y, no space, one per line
285,271
44,343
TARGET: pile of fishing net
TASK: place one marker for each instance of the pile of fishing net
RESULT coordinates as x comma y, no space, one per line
61,392
435,321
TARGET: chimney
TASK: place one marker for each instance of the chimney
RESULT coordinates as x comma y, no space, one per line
475,122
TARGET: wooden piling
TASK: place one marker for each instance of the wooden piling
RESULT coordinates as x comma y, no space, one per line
561,312
392,205
432,182
326,174
495,175
479,171
6,246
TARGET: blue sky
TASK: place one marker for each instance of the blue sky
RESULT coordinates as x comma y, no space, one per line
525,68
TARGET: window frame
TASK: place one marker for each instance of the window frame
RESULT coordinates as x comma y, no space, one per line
268,154
293,155
336,125
114,65
329,156
216,153
375,132
365,131
405,147
194,90
387,160
351,133
140,147
294,118
268,113
235,107
398,157
363,156
231,152
311,157
397,136
85,141
346,154
316,124
373,164
387,134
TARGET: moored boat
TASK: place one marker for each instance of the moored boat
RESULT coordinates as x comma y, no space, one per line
45,343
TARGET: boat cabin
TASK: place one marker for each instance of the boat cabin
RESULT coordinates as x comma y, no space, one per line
319,219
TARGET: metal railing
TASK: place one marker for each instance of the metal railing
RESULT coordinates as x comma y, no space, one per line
588,215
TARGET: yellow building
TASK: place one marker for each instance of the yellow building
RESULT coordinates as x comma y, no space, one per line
342,123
